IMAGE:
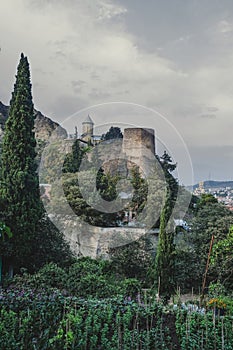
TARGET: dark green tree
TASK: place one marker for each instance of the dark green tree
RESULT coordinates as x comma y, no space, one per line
221,261
5,235
165,256
140,190
20,184
73,160
113,133
206,198
106,185
210,218
132,260
106,188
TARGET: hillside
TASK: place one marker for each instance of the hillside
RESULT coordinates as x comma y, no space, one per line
211,184
44,126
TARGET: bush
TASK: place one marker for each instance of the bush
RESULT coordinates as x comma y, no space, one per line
84,278
130,287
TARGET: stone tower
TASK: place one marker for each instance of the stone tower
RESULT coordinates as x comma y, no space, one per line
87,129
139,148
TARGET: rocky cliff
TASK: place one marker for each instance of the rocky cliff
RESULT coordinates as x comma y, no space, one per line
87,240
44,126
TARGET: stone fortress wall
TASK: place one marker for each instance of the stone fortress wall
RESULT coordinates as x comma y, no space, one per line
139,147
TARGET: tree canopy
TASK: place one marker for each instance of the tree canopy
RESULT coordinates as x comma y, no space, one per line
20,184
164,263
113,133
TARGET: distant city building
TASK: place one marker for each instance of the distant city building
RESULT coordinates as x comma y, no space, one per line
199,190
223,193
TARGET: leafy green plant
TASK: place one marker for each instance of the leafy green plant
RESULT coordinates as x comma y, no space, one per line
5,231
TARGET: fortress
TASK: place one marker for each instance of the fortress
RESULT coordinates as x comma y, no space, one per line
114,156
117,156
137,147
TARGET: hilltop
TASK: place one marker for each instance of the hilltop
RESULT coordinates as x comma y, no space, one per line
212,184
44,126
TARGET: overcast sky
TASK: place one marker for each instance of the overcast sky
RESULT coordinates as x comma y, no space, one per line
174,56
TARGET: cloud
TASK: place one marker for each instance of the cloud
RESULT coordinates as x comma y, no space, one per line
212,109
78,85
88,42
204,161
208,116
225,27
109,10
85,52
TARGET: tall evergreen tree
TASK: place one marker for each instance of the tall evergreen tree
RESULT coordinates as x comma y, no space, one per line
164,263
73,160
20,183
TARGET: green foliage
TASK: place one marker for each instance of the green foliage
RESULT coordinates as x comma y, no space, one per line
88,277
5,231
222,259
133,260
196,331
187,273
106,185
49,245
167,164
35,240
216,290
84,278
106,189
140,190
206,199
5,244
73,160
53,321
210,218
164,263
217,297
40,320
113,133
20,185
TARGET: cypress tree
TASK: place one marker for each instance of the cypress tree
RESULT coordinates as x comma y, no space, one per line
20,183
164,262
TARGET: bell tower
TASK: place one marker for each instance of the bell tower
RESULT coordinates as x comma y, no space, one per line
87,129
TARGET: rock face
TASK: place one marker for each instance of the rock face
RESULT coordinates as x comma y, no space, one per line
44,126
95,242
